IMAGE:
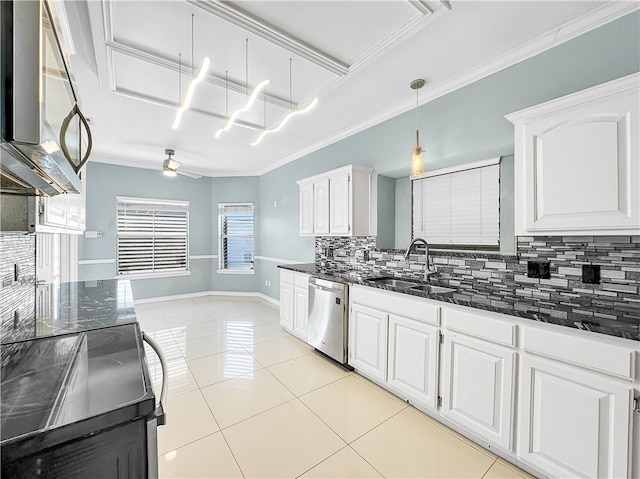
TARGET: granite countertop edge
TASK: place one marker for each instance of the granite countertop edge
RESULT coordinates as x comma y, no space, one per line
572,321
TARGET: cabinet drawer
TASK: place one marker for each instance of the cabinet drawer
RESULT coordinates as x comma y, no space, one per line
302,280
480,325
286,276
595,354
397,303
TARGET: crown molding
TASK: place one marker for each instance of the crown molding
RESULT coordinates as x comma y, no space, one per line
570,30
249,22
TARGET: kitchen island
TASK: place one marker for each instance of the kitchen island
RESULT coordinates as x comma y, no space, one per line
76,392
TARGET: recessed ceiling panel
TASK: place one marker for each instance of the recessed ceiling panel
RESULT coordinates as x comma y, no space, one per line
166,33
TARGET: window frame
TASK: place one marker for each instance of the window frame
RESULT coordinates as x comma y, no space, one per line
221,238
451,171
167,204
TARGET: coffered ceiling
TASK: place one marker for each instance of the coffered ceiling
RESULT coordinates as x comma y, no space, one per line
133,61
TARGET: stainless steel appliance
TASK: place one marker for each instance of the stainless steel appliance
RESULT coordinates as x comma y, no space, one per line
327,324
45,137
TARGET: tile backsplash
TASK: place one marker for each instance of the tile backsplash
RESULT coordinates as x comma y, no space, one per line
501,281
17,282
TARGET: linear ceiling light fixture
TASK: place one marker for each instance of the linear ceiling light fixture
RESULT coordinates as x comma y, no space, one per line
188,96
290,115
250,100
417,167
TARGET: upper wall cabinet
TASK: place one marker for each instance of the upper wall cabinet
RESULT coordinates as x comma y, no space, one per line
336,203
577,163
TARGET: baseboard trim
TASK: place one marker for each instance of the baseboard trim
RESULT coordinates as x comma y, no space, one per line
200,294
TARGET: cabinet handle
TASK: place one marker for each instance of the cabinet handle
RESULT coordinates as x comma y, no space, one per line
63,140
159,412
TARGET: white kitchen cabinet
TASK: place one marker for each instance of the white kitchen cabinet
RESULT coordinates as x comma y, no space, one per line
393,339
413,359
63,213
321,206
368,341
478,373
286,304
294,303
575,403
301,305
573,423
336,203
306,209
577,163
339,204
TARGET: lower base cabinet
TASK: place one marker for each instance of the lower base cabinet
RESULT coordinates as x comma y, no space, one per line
573,423
478,387
368,341
413,359
294,302
556,400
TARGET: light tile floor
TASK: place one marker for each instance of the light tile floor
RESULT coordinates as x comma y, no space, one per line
246,399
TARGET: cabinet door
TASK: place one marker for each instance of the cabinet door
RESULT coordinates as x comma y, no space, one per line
340,204
306,209
413,360
573,423
368,341
478,387
55,211
321,207
286,306
301,312
577,163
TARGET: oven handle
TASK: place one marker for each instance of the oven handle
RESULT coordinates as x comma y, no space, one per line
159,412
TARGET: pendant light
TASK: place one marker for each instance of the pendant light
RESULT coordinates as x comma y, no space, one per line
250,100
188,96
290,115
417,167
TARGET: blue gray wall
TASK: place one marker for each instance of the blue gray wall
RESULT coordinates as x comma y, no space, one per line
465,125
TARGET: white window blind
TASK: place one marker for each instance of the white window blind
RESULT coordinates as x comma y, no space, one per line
236,236
459,208
152,236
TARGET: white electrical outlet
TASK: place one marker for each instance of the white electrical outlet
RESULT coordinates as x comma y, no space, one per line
274,204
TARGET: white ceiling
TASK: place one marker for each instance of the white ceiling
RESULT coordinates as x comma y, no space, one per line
357,57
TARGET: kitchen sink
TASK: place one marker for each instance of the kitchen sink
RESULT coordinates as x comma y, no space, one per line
394,283
427,288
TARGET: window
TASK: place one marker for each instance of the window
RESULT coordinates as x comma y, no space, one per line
152,236
236,237
460,206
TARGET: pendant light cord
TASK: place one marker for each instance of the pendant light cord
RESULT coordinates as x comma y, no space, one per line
179,77
417,130
290,97
246,68
193,64
226,93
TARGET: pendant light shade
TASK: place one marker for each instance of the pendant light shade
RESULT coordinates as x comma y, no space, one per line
417,166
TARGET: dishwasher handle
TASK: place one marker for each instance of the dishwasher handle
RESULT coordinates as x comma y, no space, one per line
324,288
159,412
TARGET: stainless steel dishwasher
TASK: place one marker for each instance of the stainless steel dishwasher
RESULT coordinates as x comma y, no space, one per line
327,324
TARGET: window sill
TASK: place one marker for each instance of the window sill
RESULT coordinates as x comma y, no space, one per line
236,271
167,274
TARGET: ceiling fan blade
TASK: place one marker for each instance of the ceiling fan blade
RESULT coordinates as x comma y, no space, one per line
186,173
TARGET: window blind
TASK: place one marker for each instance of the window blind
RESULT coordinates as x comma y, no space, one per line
236,236
152,235
458,208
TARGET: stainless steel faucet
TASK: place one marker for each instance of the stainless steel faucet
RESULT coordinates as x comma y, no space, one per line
428,271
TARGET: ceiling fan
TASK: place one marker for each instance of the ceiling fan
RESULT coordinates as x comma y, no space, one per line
170,166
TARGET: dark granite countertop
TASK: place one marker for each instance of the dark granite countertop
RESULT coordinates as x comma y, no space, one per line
80,370
610,327
63,308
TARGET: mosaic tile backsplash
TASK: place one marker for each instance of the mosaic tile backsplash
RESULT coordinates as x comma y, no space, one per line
17,282
500,282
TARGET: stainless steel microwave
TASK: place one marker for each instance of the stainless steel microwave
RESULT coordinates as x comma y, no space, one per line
45,137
